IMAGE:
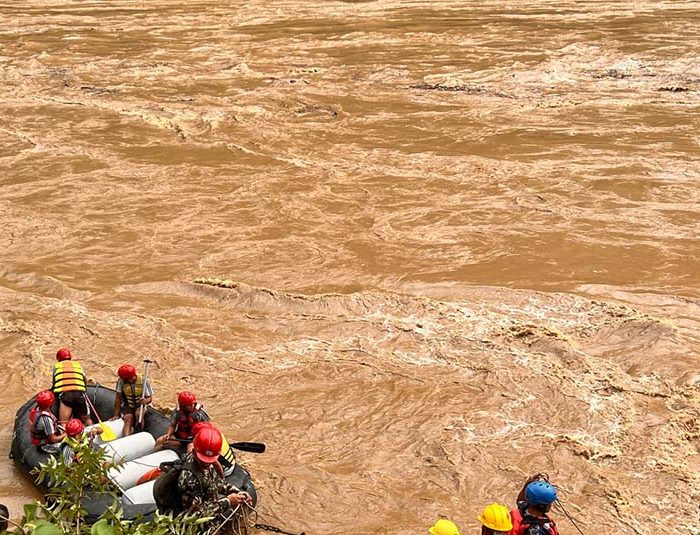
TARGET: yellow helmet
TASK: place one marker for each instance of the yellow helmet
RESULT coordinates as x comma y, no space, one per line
496,517
444,527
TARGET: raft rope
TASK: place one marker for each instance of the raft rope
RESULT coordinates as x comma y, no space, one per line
569,516
274,529
226,520
3,517
265,527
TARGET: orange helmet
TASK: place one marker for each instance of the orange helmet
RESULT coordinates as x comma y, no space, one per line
74,427
126,372
186,398
44,399
63,354
207,445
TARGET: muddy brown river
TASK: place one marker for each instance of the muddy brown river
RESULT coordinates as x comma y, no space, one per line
421,249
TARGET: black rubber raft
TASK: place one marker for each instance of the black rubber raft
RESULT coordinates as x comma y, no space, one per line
28,457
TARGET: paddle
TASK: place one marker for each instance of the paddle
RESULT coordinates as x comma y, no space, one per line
251,447
142,408
107,433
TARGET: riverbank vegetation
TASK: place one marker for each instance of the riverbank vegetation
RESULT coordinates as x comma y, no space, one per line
63,511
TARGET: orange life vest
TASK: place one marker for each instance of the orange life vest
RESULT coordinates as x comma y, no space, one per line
68,375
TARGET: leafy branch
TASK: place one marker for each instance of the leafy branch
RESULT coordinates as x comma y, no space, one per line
63,511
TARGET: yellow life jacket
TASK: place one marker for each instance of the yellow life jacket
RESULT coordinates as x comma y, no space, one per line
226,457
75,443
67,376
132,392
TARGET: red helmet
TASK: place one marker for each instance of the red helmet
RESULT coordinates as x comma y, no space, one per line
44,399
207,444
198,426
127,372
74,427
63,354
186,398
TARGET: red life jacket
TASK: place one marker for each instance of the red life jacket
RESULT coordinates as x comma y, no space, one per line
39,438
184,423
526,524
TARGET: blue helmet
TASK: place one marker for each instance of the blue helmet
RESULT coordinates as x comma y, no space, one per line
540,493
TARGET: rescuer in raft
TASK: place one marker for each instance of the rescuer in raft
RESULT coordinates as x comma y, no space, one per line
133,395
75,435
69,384
227,459
199,486
179,433
46,434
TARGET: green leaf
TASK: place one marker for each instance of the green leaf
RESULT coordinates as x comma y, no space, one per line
44,527
102,527
30,511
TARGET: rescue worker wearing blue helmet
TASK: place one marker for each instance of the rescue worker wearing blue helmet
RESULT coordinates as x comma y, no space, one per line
534,502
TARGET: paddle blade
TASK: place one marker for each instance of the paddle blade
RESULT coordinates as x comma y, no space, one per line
107,432
252,447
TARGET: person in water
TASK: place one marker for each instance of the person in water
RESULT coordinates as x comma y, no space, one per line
495,520
44,430
201,486
133,395
535,499
69,384
443,526
179,433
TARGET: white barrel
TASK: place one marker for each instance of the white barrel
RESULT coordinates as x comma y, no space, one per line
139,495
128,474
129,448
117,426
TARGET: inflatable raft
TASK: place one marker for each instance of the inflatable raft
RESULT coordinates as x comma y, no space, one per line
136,452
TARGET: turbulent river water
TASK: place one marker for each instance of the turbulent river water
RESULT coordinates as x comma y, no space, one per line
421,249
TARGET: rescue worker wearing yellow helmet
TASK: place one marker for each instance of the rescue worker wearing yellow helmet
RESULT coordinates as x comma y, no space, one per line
444,527
495,520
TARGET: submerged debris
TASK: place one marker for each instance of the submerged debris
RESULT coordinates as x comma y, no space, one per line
674,89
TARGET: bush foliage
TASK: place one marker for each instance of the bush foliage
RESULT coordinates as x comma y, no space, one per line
63,511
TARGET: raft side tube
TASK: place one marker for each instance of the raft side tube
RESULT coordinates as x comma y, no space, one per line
127,475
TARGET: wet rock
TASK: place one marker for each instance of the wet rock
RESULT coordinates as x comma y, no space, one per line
98,90
466,88
616,74
674,89
316,110
473,89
